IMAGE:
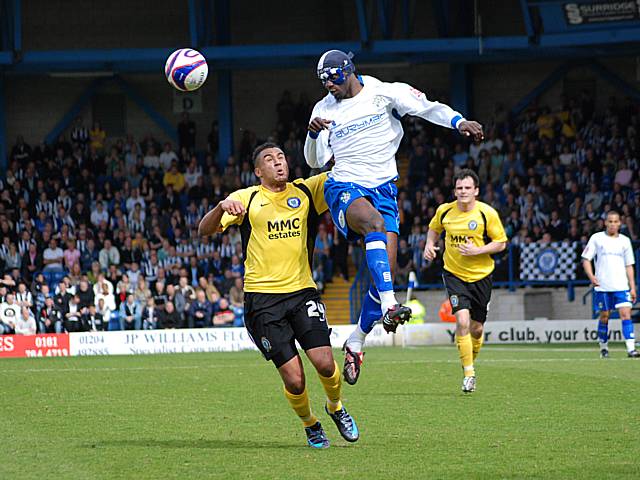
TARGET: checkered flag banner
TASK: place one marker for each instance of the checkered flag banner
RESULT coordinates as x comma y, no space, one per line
548,261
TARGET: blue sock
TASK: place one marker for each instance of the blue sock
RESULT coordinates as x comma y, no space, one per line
603,332
627,330
371,311
378,261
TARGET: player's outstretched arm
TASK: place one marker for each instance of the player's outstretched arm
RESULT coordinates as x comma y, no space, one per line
411,101
210,223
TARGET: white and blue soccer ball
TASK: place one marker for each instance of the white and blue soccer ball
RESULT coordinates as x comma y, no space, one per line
186,69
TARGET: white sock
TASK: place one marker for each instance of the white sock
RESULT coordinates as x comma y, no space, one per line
356,340
631,344
604,345
387,300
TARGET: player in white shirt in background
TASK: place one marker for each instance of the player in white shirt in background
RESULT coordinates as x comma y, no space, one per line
358,125
614,283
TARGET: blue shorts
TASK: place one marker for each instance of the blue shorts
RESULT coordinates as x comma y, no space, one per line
339,195
606,301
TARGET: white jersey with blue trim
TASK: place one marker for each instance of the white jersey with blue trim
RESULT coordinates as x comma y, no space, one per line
613,255
365,132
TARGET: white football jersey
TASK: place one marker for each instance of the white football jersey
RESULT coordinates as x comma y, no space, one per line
366,131
613,255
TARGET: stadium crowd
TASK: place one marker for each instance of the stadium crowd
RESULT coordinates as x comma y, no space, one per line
100,233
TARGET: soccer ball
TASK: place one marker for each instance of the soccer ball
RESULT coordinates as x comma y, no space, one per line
186,69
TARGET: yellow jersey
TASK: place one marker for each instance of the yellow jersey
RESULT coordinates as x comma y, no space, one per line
278,234
481,224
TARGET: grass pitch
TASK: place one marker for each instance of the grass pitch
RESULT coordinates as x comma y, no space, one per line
538,413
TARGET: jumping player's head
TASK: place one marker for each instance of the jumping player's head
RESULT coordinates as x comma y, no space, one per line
270,165
612,223
466,185
336,72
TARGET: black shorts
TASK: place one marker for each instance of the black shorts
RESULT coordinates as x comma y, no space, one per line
276,320
472,296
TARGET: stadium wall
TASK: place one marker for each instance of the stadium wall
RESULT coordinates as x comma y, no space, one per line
100,24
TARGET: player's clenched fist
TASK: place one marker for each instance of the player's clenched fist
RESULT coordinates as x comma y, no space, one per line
430,252
232,207
469,128
318,124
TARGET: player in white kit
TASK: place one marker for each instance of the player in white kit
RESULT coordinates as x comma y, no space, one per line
614,283
358,125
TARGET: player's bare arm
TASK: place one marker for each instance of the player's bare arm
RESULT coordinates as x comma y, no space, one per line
469,249
632,283
318,124
210,224
588,270
430,249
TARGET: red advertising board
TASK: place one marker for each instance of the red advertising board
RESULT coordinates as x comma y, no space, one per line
48,345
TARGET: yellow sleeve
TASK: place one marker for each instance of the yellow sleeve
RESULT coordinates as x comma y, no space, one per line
435,224
495,230
242,196
316,185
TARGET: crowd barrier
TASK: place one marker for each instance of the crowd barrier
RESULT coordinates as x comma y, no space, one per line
138,342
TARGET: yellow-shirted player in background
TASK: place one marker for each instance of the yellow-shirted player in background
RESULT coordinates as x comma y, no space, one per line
473,231
278,224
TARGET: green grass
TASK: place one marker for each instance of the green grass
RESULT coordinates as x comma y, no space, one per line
538,413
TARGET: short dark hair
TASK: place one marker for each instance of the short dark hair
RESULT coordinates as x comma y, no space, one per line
612,212
260,148
464,173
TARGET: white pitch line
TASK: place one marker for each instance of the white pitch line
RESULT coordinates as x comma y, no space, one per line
498,348
392,362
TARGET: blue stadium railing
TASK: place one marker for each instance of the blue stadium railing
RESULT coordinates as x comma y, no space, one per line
362,281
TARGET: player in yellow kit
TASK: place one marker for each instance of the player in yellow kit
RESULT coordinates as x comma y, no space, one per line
473,232
278,223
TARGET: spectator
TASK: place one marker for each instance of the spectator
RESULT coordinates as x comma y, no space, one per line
150,315
167,157
159,294
201,311
211,292
174,179
31,262
151,159
12,258
71,255
179,302
62,298
26,323
130,314
404,263
9,314
99,215
97,137
109,255
224,317
92,321
50,319
322,251
73,315
169,317
24,298
52,257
